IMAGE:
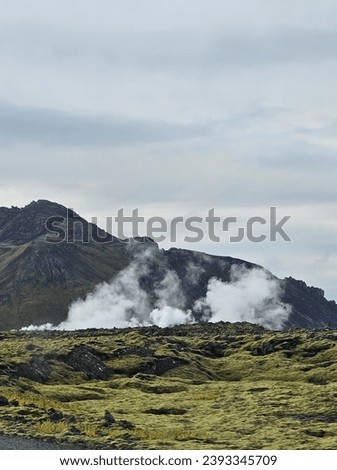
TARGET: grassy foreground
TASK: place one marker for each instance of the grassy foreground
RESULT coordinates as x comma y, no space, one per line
203,386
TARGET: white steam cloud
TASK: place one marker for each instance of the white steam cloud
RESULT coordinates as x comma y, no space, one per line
123,303
169,291
251,295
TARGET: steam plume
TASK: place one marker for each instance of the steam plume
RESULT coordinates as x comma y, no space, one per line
251,295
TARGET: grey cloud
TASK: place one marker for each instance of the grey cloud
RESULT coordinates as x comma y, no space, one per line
270,49
296,155
253,83
327,129
20,124
265,172
171,50
183,50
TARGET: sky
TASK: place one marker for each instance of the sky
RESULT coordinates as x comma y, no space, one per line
175,108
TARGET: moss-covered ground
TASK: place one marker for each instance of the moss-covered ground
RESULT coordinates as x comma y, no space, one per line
203,386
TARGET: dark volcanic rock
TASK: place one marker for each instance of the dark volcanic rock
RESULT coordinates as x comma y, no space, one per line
213,350
38,369
310,309
323,418
4,401
275,345
133,351
74,430
156,366
55,415
84,360
123,423
108,418
162,365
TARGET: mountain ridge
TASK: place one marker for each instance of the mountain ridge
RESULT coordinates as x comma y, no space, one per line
39,280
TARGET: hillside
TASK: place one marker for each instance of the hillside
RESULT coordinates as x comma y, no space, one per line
202,386
39,280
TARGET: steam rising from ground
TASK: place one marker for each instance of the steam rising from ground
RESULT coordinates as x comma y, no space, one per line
123,303
252,295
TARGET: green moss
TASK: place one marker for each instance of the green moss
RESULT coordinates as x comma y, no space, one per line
266,391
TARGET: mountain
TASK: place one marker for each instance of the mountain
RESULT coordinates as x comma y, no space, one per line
38,280
49,257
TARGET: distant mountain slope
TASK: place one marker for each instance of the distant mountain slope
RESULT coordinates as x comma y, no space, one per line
39,280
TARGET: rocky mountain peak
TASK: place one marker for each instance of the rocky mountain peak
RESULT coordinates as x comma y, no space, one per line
22,225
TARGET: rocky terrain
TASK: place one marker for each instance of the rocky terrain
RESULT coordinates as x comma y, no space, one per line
39,279
201,386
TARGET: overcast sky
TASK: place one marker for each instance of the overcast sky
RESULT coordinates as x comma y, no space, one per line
175,108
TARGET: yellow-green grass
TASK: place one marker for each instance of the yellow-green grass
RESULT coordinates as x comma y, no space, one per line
267,390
